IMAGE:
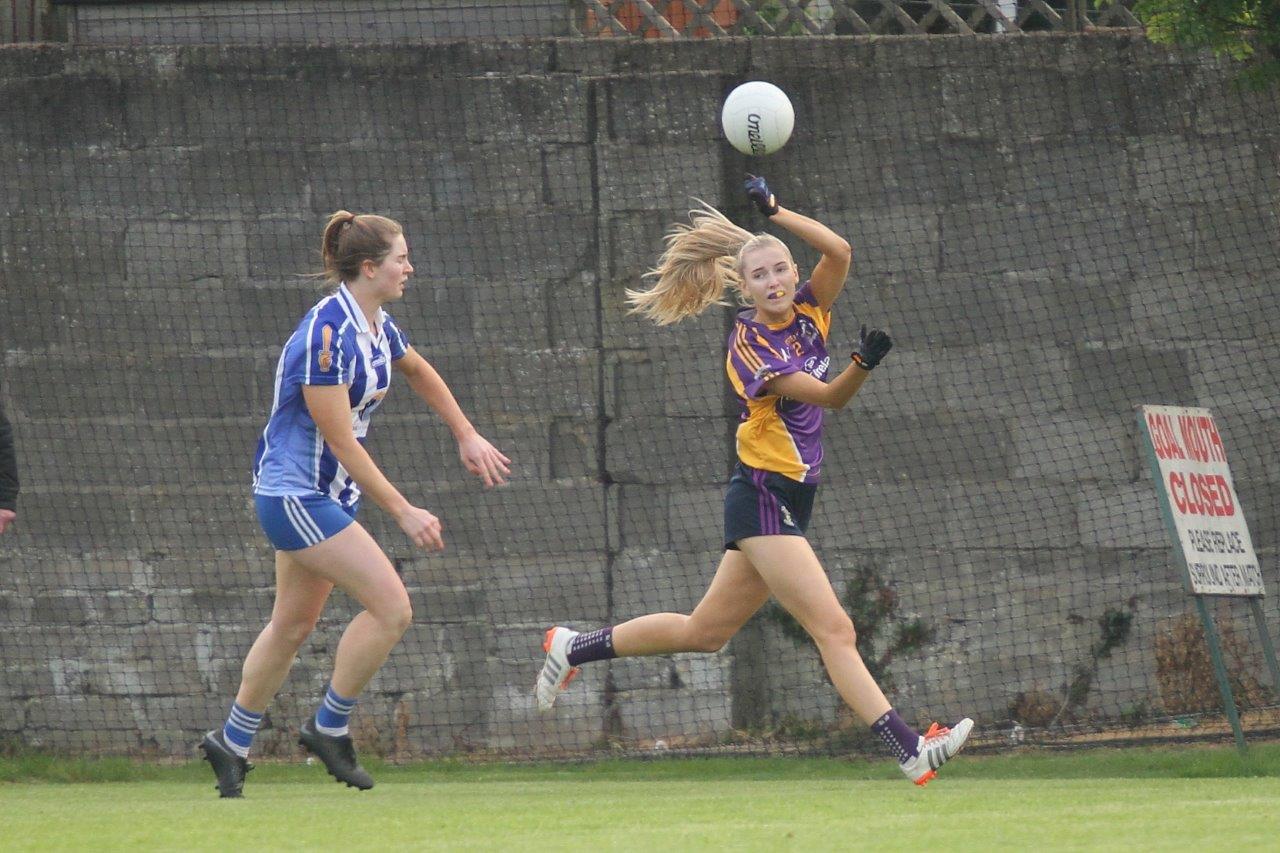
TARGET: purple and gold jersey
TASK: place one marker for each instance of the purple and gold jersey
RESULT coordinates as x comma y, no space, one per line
778,433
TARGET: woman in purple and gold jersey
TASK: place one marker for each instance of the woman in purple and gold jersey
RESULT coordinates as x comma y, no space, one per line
777,364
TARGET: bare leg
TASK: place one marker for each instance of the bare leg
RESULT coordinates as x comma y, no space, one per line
736,592
300,596
352,561
792,571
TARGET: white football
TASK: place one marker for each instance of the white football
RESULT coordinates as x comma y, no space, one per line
757,118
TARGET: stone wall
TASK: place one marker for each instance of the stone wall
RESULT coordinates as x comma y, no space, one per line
1055,229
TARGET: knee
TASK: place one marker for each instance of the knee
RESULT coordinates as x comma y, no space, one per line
705,638
293,632
396,615
834,632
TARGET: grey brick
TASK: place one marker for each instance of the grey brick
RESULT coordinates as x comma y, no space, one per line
1120,516
672,672
1012,514
170,386
903,238
1227,378
658,581
521,518
1252,441
86,110
24,682
487,245
516,724
574,448
641,109
61,609
682,716
639,516
68,453
873,448
1049,171
624,187
667,450
1238,236
1175,170
1069,448
71,520
15,609
1195,306
595,56
411,443
214,605
1114,380
153,250
72,250
1009,379
150,661
696,518
547,590
902,515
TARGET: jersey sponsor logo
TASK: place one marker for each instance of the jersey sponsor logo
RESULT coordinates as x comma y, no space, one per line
325,360
816,367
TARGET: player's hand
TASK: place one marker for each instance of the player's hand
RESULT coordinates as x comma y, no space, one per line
6,518
872,346
422,528
484,460
758,191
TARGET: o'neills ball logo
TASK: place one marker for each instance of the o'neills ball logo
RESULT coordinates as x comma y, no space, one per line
753,134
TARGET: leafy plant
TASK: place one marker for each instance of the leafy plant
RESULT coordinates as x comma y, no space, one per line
1240,29
873,606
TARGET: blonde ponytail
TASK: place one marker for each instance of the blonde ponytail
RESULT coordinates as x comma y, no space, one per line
701,259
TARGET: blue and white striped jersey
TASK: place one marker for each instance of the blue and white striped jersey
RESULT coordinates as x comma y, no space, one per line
333,345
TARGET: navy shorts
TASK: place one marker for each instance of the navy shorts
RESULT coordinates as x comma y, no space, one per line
765,503
294,522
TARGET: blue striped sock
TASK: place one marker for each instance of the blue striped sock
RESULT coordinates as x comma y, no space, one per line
331,719
240,728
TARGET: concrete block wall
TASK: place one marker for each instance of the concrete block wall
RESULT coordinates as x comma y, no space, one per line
1054,228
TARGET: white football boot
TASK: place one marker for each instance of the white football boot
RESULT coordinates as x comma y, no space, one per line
937,746
556,672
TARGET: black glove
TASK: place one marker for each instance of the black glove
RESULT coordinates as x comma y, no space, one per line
758,191
872,346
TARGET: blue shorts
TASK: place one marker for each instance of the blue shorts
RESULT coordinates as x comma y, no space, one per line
293,522
765,503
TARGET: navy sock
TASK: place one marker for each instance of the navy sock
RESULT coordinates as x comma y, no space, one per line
903,741
595,645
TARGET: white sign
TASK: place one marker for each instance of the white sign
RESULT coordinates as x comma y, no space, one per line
1195,486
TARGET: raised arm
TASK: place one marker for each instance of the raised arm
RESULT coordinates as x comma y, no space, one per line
832,269
478,455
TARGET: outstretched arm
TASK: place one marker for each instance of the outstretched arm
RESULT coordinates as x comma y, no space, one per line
829,275
478,455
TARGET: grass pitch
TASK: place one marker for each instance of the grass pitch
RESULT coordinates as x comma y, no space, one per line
1191,798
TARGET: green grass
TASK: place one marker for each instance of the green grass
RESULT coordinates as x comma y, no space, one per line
1191,798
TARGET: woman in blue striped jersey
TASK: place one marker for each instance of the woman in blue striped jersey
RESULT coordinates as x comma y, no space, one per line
310,472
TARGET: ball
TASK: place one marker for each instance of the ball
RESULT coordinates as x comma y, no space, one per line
757,118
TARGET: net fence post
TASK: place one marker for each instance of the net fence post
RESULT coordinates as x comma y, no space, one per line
1268,648
1220,672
